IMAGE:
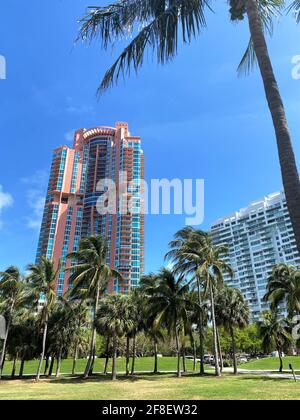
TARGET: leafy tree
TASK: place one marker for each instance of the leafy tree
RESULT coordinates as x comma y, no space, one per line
157,25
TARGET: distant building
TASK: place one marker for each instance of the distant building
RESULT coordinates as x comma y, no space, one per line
70,210
258,237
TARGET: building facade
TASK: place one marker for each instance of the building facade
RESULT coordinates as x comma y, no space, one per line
258,237
71,212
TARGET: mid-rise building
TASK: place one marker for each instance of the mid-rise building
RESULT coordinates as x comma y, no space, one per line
71,203
258,236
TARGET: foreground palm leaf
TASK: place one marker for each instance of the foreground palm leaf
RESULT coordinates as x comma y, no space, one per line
157,25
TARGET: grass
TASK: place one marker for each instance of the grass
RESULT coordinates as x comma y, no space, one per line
272,363
150,387
145,364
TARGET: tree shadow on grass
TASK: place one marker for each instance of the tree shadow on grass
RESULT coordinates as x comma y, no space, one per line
265,378
101,378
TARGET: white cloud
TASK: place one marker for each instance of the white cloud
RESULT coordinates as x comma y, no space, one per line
6,200
35,196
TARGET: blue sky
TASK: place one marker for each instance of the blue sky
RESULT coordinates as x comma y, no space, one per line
196,117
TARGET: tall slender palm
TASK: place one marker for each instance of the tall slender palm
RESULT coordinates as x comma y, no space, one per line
197,256
284,288
232,311
42,278
91,274
113,319
275,334
169,306
14,293
158,24
177,255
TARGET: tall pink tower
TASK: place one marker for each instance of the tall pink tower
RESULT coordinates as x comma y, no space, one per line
70,210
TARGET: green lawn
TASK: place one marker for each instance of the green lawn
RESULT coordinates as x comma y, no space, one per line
272,363
165,364
165,387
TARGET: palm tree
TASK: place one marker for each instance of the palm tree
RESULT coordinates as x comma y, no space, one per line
169,306
284,288
232,311
14,292
42,278
159,25
113,319
91,274
178,256
275,334
196,255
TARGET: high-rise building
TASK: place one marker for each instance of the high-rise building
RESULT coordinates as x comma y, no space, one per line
73,192
258,237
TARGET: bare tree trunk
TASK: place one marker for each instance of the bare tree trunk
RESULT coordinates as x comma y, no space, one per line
280,360
114,363
75,358
88,369
184,360
287,159
13,373
51,366
46,366
58,367
178,353
235,367
107,355
21,372
2,358
127,354
195,355
38,374
215,338
133,355
220,351
202,369
155,357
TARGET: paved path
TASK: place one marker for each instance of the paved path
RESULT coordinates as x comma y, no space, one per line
268,373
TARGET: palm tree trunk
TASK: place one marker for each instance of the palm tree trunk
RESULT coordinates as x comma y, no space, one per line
2,358
215,338
75,358
13,372
133,355
51,366
107,355
235,367
195,355
127,354
38,374
202,370
178,353
88,369
287,159
280,360
58,363
155,357
220,351
114,364
21,372
46,366
184,360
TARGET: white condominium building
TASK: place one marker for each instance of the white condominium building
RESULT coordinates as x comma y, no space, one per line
258,237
